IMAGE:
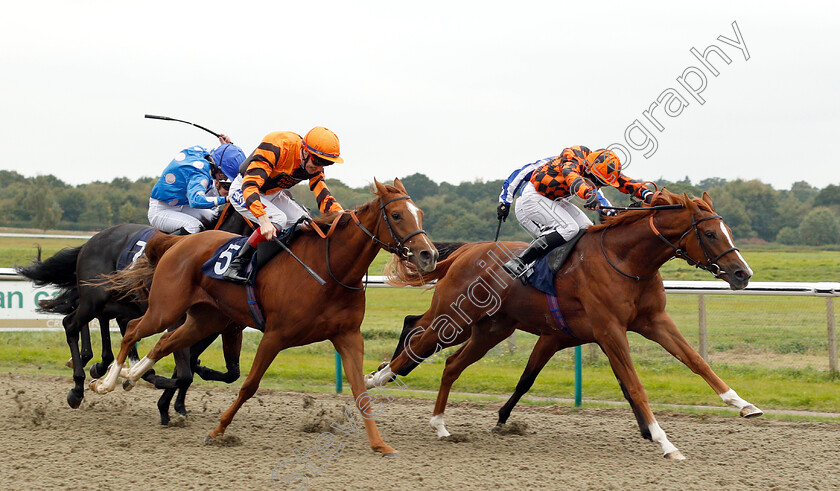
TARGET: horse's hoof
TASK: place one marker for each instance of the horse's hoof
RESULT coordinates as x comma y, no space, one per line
128,385
208,440
96,370
391,455
382,365
74,400
675,455
69,363
369,381
751,411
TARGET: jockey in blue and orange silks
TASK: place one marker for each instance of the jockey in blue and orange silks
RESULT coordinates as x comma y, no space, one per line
281,160
548,186
185,200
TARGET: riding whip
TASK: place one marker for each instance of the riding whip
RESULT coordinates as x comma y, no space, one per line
497,230
307,268
166,118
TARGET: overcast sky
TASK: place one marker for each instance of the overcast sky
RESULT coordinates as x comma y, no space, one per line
456,90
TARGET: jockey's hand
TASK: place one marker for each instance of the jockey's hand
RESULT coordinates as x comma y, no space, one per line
592,202
267,228
503,211
224,139
647,196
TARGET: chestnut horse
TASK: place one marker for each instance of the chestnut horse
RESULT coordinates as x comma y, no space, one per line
297,310
609,285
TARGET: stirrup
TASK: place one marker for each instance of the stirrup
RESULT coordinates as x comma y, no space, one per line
516,268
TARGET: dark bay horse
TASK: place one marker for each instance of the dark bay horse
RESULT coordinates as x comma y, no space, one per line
74,271
297,309
609,285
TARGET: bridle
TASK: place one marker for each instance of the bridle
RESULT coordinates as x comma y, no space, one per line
679,251
399,248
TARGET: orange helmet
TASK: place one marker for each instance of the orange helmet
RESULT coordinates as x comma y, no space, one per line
605,166
323,143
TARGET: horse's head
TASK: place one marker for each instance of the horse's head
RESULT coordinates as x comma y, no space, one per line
709,243
403,231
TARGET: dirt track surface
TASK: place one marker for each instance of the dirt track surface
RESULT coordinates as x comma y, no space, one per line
115,440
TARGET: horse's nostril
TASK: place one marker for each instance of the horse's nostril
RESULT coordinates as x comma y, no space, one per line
426,256
741,274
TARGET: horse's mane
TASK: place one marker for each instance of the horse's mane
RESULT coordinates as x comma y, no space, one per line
663,197
325,221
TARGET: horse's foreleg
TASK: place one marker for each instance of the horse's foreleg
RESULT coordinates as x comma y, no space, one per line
613,341
664,331
484,336
270,344
350,346
545,348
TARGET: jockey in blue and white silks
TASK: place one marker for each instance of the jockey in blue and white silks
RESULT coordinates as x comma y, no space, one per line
515,185
184,198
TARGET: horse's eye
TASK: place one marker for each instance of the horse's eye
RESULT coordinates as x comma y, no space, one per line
396,216
711,235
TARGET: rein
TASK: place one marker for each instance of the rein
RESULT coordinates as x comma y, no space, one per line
711,264
400,249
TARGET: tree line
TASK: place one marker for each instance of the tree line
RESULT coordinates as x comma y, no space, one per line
754,210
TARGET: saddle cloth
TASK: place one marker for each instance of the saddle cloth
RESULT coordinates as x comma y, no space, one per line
135,248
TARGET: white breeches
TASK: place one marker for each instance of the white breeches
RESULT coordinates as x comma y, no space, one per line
281,209
168,218
538,214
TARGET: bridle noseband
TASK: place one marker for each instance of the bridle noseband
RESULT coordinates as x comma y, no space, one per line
679,252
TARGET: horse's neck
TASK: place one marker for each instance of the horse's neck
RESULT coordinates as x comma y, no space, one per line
636,249
352,250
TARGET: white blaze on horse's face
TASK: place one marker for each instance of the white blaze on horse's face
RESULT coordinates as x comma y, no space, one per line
414,211
731,243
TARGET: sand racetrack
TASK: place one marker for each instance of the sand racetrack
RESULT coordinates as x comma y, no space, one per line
116,440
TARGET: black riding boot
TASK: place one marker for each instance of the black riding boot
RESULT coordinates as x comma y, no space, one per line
236,271
538,248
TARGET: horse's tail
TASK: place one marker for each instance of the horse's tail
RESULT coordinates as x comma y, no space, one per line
403,273
133,283
58,270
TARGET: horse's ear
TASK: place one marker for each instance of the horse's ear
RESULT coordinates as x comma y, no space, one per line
708,199
691,205
380,188
399,185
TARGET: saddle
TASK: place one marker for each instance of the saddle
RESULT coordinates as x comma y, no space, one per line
558,256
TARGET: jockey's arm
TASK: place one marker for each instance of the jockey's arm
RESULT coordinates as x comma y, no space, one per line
634,188
326,202
515,181
197,193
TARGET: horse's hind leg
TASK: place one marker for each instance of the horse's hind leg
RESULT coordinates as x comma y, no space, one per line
545,348
87,352
486,334
98,369
270,344
663,331
71,332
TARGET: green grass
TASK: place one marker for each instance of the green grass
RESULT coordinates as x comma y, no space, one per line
772,350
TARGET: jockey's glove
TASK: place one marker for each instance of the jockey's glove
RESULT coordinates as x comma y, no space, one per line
503,211
647,195
592,202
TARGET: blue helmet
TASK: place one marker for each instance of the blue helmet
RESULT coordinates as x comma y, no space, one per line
228,157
